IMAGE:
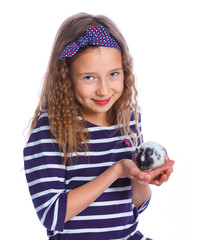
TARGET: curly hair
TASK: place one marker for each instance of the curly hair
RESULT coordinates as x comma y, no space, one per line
57,96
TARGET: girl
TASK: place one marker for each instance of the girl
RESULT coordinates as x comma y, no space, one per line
84,133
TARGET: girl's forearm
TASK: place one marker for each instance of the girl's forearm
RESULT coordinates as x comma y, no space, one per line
140,193
81,197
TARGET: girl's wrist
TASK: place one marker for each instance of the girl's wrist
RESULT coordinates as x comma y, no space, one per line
118,169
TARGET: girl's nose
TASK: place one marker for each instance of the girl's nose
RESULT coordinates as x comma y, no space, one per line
103,88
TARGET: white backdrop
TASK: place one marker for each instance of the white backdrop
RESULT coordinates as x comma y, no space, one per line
161,35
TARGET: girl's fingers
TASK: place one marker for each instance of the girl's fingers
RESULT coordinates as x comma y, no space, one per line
139,176
163,177
162,174
157,171
169,171
157,176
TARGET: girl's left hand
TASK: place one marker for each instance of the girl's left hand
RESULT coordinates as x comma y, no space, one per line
164,176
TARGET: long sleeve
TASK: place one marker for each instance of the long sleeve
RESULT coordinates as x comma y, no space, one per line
144,206
45,174
111,215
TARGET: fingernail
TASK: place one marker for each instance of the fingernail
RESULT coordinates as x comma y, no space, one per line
165,178
172,162
147,177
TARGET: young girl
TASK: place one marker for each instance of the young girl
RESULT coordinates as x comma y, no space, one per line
78,160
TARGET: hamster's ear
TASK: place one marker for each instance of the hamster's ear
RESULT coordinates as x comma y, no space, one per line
137,150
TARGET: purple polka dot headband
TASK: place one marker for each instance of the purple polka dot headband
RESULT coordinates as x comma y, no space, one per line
96,35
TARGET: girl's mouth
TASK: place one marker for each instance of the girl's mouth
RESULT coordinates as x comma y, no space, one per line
102,102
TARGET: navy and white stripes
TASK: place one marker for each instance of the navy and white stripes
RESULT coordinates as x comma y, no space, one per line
111,216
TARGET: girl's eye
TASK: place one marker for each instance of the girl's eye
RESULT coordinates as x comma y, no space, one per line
88,78
114,74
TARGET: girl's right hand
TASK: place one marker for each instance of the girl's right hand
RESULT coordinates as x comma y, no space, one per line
129,169
81,197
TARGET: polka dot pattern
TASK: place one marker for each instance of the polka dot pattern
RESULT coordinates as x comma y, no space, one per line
96,35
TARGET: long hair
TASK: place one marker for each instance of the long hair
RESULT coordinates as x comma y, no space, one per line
57,96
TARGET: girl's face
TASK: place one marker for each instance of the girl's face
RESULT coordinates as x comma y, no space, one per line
98,82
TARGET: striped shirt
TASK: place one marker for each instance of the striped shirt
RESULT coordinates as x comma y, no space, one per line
112,215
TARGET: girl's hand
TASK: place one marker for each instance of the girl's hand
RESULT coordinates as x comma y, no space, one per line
129,169
164,176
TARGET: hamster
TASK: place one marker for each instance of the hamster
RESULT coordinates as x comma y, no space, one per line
150,155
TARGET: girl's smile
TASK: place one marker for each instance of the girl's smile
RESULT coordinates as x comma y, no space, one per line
98,82
101,102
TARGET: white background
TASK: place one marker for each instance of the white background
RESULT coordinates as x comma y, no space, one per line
161,35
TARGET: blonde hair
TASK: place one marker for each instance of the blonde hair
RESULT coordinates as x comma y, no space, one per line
57,96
